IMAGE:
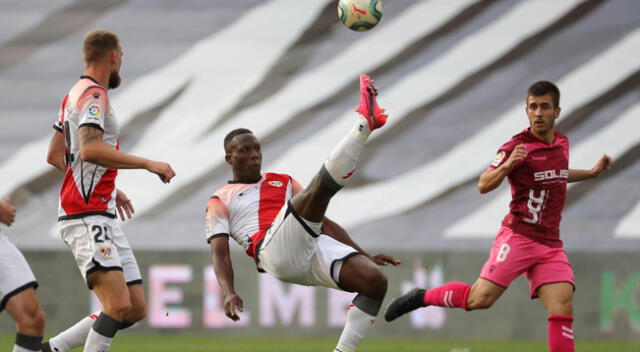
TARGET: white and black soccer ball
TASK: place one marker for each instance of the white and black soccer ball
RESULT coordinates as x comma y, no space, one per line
360,15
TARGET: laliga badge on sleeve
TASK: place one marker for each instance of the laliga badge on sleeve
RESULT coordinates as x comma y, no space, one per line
499,157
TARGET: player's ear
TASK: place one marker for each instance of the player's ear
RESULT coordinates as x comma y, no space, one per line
558,111
227,158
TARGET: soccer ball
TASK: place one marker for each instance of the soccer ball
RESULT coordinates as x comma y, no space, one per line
360,15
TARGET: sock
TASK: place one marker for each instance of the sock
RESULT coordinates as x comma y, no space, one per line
74,336
560,333
341,163
101,334
360,317
450,295
27,343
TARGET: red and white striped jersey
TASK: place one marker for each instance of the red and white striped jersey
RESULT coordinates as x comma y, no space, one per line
87,189
244,211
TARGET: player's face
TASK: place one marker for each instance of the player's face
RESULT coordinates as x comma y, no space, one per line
245,157
542,114
114,77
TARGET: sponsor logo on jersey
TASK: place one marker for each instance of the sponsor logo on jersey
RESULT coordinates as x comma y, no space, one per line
550,175
276,183
93,110
499,157
106,252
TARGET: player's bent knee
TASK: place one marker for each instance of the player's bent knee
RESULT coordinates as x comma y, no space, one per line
374,282
482,301
137,313
117,310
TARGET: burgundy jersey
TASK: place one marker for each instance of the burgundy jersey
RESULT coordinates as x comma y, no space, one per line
538,186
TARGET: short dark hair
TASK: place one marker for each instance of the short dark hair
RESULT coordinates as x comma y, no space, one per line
230,135
98,43
541,88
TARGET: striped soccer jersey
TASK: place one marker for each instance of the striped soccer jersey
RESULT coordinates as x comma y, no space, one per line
87,189
244,211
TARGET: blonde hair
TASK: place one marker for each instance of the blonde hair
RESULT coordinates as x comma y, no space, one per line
98,44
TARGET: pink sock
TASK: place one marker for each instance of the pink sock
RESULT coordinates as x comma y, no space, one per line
560,333
451,295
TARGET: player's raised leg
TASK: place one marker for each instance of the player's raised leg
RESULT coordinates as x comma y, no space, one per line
29,317
558,300
311,204
359,274
481,295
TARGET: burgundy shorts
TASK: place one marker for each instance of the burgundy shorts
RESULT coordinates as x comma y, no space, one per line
513,254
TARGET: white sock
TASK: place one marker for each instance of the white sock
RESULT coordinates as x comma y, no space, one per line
97,343
341,162
358,323
17,348
74,336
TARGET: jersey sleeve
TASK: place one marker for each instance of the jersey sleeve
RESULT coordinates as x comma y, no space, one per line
93,105
59,123
217,219
503,154
296,187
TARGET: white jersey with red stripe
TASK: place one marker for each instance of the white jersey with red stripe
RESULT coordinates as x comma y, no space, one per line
244,211
87,189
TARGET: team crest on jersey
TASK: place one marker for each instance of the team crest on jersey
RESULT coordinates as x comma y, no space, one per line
106,252
276,183
499,157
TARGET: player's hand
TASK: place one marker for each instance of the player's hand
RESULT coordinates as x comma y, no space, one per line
516,157
232,306
603,164
162,169
124,205
7,212
384,259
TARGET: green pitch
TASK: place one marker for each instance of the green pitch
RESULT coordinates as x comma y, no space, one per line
169,343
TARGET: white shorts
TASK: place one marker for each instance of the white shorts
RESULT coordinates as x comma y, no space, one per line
15,273
98,243
294,253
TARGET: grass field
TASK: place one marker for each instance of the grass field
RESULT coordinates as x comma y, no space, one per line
159,343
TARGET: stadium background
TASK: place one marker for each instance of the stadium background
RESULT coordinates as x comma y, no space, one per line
452,75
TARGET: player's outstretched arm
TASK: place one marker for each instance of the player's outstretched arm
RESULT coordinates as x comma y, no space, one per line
223,268
55,155
7,212
604,164
334,230
93,149
492,178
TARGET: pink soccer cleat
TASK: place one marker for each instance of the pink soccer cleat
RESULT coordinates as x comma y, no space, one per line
368,108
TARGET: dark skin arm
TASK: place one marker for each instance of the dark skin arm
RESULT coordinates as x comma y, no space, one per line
223,268
334,230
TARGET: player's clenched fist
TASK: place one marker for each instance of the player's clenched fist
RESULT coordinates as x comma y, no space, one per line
517,156
162,169
7,212
232,306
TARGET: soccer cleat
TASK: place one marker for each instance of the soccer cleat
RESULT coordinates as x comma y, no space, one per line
368,108
404,304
